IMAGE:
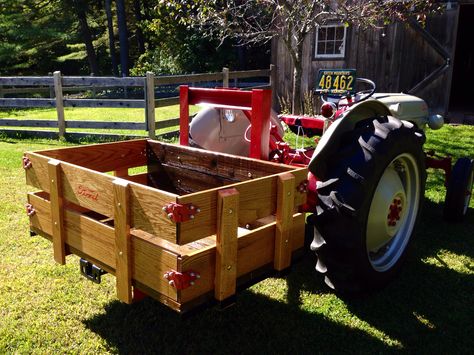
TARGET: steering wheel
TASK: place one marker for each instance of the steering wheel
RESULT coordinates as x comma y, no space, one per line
358,96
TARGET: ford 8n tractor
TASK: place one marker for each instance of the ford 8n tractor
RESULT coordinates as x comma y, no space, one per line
367,171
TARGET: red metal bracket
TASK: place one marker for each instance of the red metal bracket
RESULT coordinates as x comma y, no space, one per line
303,186
180,213
26,163
30,210
181,280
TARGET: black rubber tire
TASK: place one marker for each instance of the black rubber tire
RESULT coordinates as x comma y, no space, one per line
460,184
345,196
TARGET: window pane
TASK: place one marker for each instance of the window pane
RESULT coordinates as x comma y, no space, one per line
339,47
331,33
340,33
321,47
322,34
330,47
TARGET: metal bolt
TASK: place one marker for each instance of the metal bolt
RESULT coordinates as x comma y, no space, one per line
166,275
165,208
192,283
52,180
171,283
198,276
191,216
286,241
289,193
249,175
179,182
170,215
229,267
247,226
192,274
231,211
198,210
55,223
192,206
119,204
120,253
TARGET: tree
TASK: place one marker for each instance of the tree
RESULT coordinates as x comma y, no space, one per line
110,31
259,21
123,36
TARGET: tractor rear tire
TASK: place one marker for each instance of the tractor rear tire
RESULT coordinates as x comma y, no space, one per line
459,190
369,203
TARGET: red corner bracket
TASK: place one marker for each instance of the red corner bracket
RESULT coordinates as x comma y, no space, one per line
180,213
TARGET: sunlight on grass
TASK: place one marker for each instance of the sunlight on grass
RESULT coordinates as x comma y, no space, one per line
463,264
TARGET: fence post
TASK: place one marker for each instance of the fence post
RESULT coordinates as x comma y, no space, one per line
225,77
1,92
273,82
150,104
58,91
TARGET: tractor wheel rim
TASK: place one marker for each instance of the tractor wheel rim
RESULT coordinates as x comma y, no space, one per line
470,182
393,211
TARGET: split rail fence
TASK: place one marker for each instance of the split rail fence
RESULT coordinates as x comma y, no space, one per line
58,85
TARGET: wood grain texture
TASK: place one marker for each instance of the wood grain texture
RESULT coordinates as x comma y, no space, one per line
97,241
57,211
255,249
123,270
150,104
284,220
58,94
103,157
226,243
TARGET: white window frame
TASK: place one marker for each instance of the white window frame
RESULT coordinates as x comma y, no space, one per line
329,56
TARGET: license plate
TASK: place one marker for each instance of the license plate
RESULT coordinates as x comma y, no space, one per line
336,81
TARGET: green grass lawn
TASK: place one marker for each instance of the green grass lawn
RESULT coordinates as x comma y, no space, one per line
46,308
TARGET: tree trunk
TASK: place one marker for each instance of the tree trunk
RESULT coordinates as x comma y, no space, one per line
296,99
87,38
123,36
139,32
110,27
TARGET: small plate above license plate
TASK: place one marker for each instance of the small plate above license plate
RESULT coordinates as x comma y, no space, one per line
336,81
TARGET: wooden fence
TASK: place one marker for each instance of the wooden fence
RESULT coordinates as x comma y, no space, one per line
57,85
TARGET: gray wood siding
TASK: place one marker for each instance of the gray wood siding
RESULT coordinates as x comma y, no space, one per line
397,58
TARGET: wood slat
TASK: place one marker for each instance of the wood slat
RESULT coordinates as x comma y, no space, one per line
147,211
14,102
123,270
284,219
255,250
57,211
226,243
104,103
167,101
257,200
102,125
249,74
102,157
102,81
97,241
27,123
26,80
186,79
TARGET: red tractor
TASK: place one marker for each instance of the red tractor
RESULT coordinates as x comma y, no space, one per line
367,171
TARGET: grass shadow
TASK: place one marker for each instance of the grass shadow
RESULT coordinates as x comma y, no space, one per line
428,309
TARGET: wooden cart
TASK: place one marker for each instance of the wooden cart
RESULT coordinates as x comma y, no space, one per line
190,227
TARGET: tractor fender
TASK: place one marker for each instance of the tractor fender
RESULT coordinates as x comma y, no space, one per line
330,140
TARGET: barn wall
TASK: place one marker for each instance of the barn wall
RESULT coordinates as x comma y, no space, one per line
397,58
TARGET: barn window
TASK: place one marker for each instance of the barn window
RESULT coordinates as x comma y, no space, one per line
330,41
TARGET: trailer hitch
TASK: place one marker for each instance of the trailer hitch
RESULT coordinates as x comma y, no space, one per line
90,271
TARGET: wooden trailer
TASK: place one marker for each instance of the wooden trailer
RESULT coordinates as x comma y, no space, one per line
181,224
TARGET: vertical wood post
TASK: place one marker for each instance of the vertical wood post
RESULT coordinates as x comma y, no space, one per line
57,217
150,104
273,81
284,220
260,134
58,91
225,77
94,91
123,269
226,243
1,92
183,115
